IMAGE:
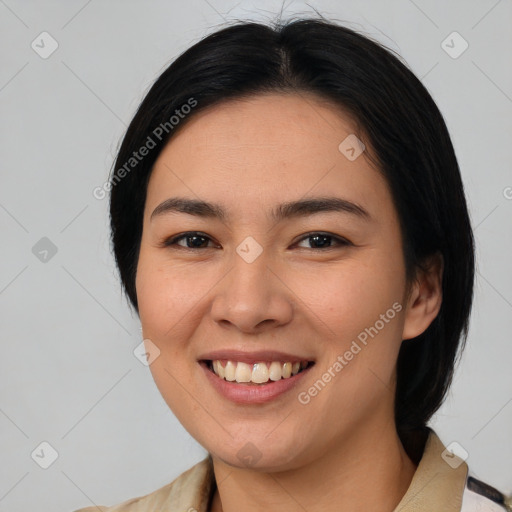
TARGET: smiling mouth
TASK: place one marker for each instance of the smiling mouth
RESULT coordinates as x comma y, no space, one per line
261,372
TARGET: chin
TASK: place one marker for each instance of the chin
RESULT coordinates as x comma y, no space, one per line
259,454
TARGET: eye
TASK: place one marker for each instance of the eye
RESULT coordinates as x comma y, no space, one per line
323,240
193,240
197,240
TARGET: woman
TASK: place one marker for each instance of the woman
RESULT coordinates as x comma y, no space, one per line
289,223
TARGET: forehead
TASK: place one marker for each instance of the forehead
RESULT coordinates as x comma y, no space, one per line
262,148
275,120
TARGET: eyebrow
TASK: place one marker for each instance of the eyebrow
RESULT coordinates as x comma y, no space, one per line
287,210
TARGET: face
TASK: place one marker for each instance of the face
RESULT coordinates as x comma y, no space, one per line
302,305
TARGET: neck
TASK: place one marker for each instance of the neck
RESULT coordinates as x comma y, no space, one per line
370,470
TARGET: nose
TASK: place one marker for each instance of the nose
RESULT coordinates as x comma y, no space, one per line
253,297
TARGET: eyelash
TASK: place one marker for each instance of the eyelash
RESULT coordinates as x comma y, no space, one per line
342,242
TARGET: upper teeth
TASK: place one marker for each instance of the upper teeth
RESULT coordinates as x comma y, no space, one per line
258,373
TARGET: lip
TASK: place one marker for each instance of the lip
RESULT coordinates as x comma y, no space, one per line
246,393
252,357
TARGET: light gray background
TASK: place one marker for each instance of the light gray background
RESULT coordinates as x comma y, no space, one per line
68,373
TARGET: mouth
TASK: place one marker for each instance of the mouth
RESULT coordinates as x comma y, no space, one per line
257,373
254,377
250,378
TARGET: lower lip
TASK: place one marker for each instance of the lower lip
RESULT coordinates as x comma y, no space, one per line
252,393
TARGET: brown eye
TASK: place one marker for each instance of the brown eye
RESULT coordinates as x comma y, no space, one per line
197,240
324,240
193,240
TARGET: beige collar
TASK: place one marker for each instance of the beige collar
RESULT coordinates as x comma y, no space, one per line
436,484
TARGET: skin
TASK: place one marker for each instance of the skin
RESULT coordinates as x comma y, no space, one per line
249,156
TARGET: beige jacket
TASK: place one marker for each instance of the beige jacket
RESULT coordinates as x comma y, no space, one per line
440,484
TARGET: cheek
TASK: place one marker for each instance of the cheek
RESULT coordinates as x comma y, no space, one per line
166,305
351,296
166,298
360,307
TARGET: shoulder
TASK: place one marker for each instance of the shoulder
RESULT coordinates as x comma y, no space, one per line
443,481
481,497
187,492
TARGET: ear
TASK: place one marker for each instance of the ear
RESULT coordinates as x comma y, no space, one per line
425,297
